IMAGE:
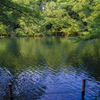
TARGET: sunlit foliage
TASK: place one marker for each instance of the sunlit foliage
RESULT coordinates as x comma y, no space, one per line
50,17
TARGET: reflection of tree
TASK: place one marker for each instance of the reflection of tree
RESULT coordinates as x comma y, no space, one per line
17,56
49,42
13,47
27,61
10,57
35,52
87,57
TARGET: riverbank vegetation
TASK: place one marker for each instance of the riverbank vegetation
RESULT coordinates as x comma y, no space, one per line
79,18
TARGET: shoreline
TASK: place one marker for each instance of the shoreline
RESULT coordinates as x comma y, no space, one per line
2,37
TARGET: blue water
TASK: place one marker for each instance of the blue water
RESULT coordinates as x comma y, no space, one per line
49,69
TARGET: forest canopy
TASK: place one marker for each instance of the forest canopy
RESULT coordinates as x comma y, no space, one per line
50,17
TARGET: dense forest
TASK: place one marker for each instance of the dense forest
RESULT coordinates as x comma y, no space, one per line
79,18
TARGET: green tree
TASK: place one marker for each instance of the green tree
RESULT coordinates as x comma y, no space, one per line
72,17
50,17
17,17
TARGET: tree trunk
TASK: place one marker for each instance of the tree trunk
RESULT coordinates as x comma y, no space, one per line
66,34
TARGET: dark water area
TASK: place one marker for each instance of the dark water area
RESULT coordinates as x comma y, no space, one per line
49,68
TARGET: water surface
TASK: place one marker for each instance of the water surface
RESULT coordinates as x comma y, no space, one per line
49,68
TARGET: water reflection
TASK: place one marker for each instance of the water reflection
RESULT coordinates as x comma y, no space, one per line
49,68
27,85
86,57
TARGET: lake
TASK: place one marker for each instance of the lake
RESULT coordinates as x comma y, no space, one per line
49,68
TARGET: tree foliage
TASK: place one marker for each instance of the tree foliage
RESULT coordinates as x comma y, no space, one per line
73,17
17,16
50,17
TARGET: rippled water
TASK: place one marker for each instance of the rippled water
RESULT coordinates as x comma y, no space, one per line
50,68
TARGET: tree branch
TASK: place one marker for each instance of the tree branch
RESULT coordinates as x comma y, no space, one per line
10,7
